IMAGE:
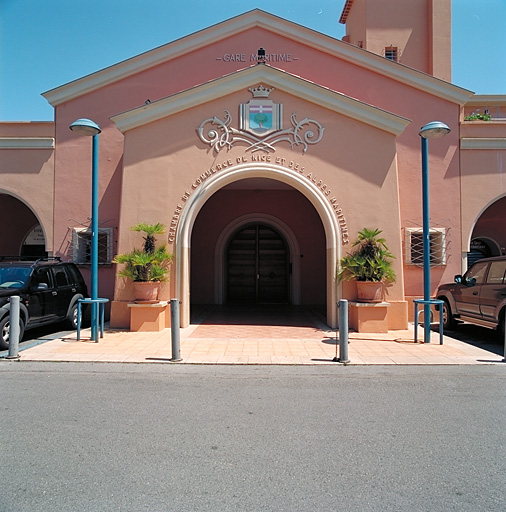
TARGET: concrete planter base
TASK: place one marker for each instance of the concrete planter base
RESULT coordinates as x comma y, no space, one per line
149,317
369,317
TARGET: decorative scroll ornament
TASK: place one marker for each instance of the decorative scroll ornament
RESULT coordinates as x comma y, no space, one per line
261,127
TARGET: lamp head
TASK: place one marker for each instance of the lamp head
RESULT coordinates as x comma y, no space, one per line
434,130
85,127
261,55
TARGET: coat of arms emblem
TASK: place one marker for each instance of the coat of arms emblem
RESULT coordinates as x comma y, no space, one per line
260,115
260,126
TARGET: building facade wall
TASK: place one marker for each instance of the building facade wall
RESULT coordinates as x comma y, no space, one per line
316,66
168,152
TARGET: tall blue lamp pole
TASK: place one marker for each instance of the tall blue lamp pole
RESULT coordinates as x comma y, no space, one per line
88,127
433,130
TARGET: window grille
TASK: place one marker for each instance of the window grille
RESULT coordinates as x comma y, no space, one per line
81,246
414,246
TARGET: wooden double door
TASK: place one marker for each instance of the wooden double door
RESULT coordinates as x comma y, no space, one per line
258,266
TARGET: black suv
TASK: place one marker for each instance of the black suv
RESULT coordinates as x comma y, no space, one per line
48,289
478,297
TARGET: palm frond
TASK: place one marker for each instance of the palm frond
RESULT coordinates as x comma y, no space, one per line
150,263
370,261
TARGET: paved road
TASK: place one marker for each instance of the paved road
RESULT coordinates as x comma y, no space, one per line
104,437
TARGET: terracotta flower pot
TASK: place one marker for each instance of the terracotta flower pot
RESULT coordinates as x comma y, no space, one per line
370,291
146,291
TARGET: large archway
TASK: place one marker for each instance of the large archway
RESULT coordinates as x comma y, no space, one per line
288,220
193,239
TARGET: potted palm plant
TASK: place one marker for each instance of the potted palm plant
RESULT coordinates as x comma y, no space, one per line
369,264
146,267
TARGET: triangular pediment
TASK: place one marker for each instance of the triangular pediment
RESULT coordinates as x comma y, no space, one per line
269,22
273,77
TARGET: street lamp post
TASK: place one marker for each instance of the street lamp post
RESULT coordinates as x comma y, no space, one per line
433,130
88,127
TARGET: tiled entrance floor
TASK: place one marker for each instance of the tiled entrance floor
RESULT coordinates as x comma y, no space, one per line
252,335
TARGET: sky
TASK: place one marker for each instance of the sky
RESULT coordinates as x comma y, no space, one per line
48,43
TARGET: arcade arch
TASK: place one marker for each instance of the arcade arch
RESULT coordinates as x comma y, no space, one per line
21,233
488,236
293,180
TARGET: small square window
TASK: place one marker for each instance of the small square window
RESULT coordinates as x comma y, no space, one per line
81,245
414,246
391,53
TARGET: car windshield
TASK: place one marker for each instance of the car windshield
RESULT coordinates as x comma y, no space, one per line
13,277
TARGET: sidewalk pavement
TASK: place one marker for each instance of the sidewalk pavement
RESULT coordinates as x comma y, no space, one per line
309,343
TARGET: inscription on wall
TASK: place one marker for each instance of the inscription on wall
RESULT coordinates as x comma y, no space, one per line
289,164
269,57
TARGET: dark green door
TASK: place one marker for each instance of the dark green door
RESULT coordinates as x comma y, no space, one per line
257,266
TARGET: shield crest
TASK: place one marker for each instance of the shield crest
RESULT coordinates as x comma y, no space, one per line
261,116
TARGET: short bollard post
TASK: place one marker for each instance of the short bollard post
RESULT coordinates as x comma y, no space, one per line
174,329
343,331
14,329
504,330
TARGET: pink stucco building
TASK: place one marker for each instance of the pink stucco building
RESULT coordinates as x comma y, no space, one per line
267,167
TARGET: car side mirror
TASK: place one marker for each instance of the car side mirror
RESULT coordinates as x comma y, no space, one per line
458,278
41,287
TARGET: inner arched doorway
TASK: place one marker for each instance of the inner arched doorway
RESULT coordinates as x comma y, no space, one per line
257,266
292,251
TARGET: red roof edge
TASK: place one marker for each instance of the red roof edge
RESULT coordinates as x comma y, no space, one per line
346,10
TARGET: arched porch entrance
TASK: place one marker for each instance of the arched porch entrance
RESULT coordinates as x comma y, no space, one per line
258,203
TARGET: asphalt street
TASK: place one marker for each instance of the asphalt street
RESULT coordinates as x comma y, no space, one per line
108,437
